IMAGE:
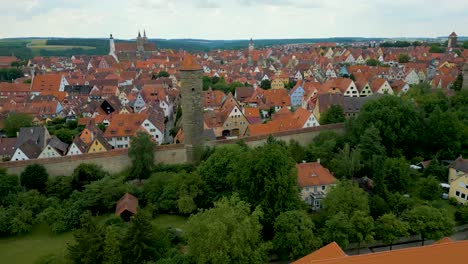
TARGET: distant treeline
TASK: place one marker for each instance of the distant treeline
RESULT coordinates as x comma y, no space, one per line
15,48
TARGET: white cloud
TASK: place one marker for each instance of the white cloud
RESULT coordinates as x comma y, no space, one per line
233,19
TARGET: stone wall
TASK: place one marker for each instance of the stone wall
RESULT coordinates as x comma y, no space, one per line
117,160
113,161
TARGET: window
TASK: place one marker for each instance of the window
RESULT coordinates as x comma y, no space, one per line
457,193
315,189
463,196
323,188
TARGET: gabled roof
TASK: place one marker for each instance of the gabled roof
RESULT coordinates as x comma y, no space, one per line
46,82
57,144
329,251
127,202
447,252
460,164
313,174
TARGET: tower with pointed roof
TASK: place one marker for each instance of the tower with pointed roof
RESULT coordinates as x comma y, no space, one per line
251,49
452,40
140,43
112,48
191,75
251,45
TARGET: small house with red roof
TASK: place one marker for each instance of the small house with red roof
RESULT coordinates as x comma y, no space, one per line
127,207
315,181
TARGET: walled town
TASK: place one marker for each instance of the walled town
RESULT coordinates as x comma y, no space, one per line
373,170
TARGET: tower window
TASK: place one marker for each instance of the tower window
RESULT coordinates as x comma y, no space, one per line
193,89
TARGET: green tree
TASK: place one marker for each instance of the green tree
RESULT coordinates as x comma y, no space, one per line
323,147
404,58
294,235
332,115
265,84
429,222
227,233
86,173
65,135
214,171
372,62
444,134
397,174
141,153
437,170
9,186
390,228
346,197
362,228
337,229
60,187
143,241
162,74
267,177
89,242
296,151
458,84
34,177
399,124
15,121
429,188
346,163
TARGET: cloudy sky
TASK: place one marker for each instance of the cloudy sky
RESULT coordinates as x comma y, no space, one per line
233,19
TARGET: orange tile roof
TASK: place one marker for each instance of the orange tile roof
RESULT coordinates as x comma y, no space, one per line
124,125
45,82
127,202
190,64
329,251
313,174
449,252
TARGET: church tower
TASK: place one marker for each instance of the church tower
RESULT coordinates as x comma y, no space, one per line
145,39
191,75
452,40
112,48
140,43
251,45
251,49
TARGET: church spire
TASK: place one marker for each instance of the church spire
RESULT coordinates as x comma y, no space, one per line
139,34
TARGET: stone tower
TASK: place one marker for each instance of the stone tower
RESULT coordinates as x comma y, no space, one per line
140,43
251,49
112,48
452,40
191,75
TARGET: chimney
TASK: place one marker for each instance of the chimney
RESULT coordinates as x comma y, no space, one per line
318,161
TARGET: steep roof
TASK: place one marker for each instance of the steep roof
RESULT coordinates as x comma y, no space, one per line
190,64
313,174
46,82
460,164
446,252
127,202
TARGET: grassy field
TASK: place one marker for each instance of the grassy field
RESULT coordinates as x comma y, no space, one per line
37,44
29,248
40,242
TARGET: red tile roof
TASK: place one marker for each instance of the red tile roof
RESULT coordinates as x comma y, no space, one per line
445,252
190,64
127,202
313,174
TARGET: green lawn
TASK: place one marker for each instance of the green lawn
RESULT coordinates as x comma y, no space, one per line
175,221
41,242
29,248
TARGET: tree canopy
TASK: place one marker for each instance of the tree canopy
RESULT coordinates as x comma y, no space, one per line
141,153
332,115
227,233
15,121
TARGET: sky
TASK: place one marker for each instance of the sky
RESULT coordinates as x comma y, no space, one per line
233,19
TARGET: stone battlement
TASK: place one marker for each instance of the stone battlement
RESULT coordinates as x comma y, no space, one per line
115,161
